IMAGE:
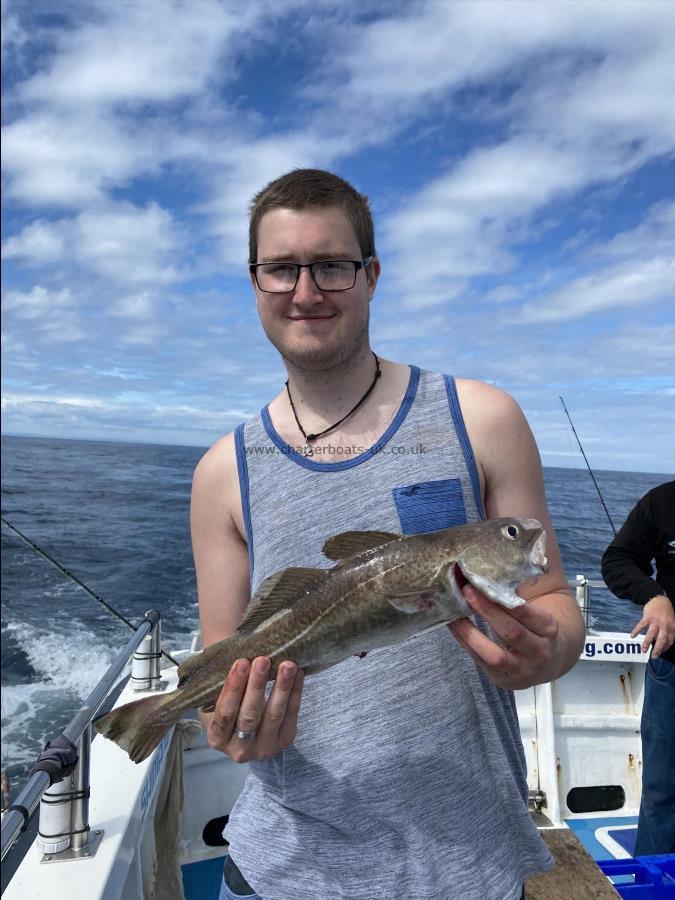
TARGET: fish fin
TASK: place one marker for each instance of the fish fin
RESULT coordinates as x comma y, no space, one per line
196,662
422,597
208,707
279,592
134,728
349,543
411,602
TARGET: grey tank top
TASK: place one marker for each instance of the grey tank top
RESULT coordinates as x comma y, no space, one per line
407,776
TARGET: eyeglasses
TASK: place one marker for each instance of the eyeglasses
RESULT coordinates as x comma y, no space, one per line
328,275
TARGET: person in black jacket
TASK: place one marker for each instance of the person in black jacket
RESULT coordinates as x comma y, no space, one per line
647,535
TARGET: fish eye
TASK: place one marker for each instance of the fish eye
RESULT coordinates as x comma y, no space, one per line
511,532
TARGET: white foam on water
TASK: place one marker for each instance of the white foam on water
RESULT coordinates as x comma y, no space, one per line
73,661
23,706
67,667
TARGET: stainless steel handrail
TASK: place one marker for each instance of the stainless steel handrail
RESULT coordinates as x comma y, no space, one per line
13,820
583,587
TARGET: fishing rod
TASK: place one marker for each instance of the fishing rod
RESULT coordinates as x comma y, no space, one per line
64,571
602,500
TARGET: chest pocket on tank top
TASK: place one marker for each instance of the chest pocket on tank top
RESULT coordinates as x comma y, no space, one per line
430,505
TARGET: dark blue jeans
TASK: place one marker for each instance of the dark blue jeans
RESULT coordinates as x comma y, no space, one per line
234,885
656,825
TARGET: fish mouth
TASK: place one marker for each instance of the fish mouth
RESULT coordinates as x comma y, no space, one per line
460,578
537,556
501,592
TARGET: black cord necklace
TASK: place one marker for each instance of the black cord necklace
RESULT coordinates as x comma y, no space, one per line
307,450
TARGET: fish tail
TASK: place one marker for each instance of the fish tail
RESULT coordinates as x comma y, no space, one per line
136,727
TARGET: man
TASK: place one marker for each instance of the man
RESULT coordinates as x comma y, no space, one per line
649,534
403,776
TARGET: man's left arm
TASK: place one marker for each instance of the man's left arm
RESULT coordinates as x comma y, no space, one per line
541,640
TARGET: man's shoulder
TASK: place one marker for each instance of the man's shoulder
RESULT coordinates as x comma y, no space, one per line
486,404
662,492
218,461
660,501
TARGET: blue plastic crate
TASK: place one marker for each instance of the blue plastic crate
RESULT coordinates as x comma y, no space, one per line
649,877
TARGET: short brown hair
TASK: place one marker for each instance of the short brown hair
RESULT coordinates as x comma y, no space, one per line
312,189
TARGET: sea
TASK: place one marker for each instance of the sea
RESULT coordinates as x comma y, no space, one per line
116,515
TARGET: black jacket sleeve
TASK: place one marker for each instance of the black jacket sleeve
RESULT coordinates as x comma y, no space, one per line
627,562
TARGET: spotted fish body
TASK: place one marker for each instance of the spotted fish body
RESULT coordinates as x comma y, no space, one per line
383,589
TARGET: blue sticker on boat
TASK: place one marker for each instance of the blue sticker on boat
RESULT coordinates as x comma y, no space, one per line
430,505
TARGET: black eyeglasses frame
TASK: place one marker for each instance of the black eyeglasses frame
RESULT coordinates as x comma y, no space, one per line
357,263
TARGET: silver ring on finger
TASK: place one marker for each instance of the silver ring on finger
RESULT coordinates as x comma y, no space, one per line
244,735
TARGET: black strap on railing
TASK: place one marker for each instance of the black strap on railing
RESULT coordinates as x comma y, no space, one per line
56,799
61,834
20,809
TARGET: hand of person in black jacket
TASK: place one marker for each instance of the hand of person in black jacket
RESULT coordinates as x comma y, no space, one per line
658,618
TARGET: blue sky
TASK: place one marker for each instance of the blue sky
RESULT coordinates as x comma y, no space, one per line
519,158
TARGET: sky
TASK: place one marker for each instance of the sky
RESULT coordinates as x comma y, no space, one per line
519,159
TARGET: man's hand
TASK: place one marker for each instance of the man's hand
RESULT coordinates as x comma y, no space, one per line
658,617
531,638
241,706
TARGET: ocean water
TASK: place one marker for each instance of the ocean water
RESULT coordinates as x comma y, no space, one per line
117,516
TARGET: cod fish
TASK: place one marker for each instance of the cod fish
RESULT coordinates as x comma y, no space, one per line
383,589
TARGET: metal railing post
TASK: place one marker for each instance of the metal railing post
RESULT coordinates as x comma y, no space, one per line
584,597
145,661
155,648
54,829
79,821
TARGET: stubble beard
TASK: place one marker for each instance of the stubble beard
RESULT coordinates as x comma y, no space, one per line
326,357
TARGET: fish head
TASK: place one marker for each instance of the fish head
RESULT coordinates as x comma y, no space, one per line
500,554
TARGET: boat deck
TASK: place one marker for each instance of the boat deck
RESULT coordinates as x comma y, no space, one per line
606,837
201,880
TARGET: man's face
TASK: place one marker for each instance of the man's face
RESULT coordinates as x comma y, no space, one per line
313,329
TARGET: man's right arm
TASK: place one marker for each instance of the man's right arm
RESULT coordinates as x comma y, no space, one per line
222,567
627,561
627,568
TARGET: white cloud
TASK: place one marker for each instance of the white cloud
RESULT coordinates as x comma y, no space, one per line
595,113
110,103
40,242
152,52
51,158
145,334
79,402
654,236
436,47
121,241
53,316
639,270
37,303
246,167
141,306
654,345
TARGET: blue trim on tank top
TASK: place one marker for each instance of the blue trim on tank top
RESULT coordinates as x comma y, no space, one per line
464,442
242,469
307,463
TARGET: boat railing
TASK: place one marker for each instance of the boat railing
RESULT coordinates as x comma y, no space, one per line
583,587
64,830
